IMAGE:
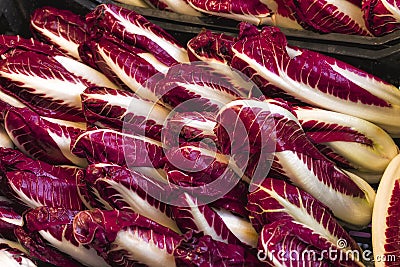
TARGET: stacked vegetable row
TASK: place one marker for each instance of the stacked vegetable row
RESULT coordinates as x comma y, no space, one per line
95,146
367,17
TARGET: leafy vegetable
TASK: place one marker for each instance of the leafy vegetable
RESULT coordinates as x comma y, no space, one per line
324,82
43,138
211,47
204,219
55,226
385,222
36,183
136,30
327,16
295,157
303,216
14,257
381,16
125,190
51,86
122,110
62,28
110,146
11,45
192,126
253,11
39,249
126,239
282,15
127,66
194,87
178,6
349,137
197,249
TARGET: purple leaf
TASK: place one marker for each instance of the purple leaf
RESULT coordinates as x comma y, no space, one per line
201,250
126,190
327,16
127,66
346,138
39,249
121,110
62,28
295,156
309,220
55,226
192,126
381,16
50,85
43,138
126,239
253,11
195,87
110,146
324,82
211,47
12,254
204,219
37,183
11,45
281,14
136,30
279,246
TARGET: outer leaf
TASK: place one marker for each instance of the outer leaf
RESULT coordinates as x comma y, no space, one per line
44,85
253,11
204,219
381,16
138,31
385,222
43,138
201,163
234,200
324,82
192,126
295,157
11,45
126,239
279,246
123,189
178,6
329,16
349,137
110,146
13,257
62,28
194,87
127,66
37,183
39,249
117,109
309,220
55,226
201,250
211,47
